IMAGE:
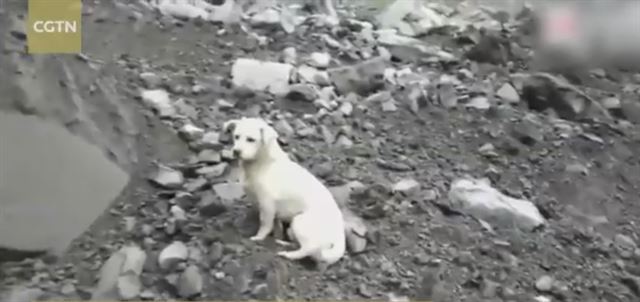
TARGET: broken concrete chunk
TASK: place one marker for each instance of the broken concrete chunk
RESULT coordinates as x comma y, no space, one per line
159,101
257,75
172,254
478,198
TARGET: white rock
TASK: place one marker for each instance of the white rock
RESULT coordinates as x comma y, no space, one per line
190,283
175,252
346,108
320,59
355,231
108,277
134,260
210,139
197,9
409,17
406,185
479,102
508,93
478,198
191,132
262,76
158,100
290,55
229,191
167,177
129,286
178,213
268,16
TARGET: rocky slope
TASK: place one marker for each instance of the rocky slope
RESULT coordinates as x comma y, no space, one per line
389,122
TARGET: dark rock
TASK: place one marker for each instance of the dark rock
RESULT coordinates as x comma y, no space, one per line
362,78
211,205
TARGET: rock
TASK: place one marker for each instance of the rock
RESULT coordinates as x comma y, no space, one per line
135,258
268,16
355,231
362,78
508,94
150,80
108,277
302,92
212,172
478,198
256,75
290,55
625,245
129,286
209,156
167,177
23,294
406,186
544,91
229,191
527,132
319,59
211,205
159,101
210,139
479,102
389,106
447,95
409,49
172,254
409,17
346,108
189,132
312,75
284,128
544,283
190,283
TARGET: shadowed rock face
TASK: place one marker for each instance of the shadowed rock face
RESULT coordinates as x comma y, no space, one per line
53,185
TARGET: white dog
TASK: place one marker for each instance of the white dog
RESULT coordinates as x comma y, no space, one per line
286,191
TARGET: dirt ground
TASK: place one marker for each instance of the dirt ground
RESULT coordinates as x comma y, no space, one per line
586,186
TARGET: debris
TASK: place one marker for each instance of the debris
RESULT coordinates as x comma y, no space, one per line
158,100
478,198
190,283
257,75
319,59
508,94
167,177
173,253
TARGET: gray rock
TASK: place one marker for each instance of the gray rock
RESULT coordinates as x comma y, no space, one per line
256,75
508,94
389,106
190,283
406,186
167,177
190,133
108,277
135,258
215,171
210,139
319,59
361,78
209,156
23,294
479,102
159,101
172,254
150,80
129,286
229,191
356,232
211,205
284,128
290,55
544,283
302,92
312,75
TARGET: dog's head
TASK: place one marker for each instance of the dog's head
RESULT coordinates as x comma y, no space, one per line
252,138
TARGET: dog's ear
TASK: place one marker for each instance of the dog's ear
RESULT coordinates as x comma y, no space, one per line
268,134
228,126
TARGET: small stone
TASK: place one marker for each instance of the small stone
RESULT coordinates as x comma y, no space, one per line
167,177
344,141
129,286
229,191
189,132
319,59
479,102
508,94
284,128
210,139
256,75
210,205
172,254
544,283
150,80
290,55
159,101
209,156
190,283
346,108
303,92
215,171
406,186
389,106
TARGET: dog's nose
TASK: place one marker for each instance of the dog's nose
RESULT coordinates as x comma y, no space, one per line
236,153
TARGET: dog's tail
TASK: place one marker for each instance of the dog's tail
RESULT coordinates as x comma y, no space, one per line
336,251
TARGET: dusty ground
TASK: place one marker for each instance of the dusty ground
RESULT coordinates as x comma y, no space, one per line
587,186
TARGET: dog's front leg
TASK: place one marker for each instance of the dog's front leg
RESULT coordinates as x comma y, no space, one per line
267,219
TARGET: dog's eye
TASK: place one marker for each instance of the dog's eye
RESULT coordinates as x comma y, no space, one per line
251,139
237,137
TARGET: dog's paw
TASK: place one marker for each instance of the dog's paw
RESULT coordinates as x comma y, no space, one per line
257,238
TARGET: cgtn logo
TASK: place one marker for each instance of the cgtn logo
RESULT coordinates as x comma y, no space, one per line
42,26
